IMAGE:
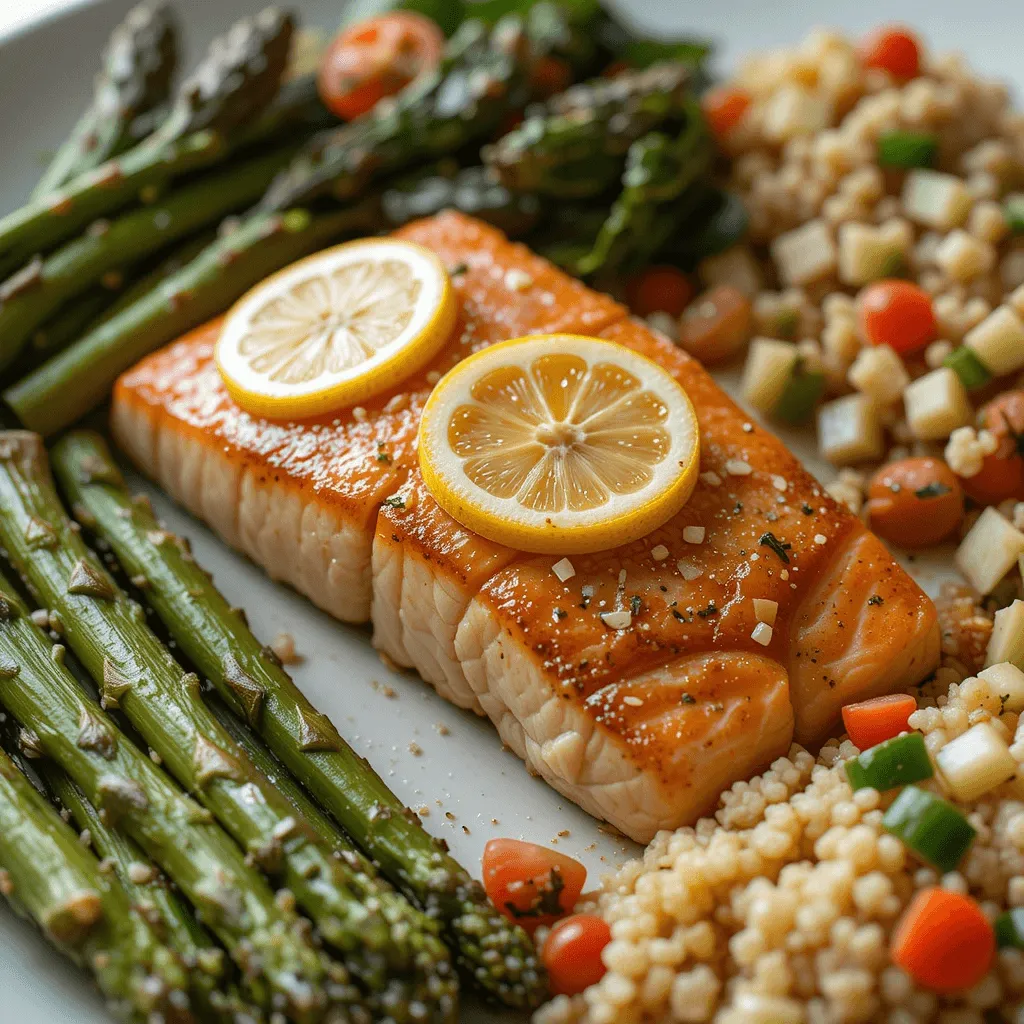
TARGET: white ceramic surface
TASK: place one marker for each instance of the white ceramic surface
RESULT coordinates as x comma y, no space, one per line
44,72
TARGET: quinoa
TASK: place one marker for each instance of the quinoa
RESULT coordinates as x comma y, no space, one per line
781,906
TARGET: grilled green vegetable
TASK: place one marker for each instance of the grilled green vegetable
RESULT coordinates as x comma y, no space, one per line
215,638
135,672
574,145
116,246
930,826
224,105
79,378
896,762
267,941
135,79
149,893
51,877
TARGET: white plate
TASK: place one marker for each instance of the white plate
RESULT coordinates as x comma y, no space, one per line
44,73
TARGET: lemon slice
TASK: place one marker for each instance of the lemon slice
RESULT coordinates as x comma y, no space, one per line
336,328
559,444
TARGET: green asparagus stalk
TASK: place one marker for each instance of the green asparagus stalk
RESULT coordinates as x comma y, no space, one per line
116,246
436,990
574,145
135,79
49,875
226,104
68,323
266,939
150,894
135,671
80,378
215,638
657,194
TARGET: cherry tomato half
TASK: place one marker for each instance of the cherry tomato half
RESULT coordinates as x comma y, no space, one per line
572,953
915,503
531,884
1002,472
375,58
724,108
659,289
893,49
898,314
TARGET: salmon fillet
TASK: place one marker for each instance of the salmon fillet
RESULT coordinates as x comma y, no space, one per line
642,727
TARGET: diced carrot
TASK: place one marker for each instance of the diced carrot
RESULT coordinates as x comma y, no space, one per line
944,941
870,722
724,108
893,49
898,314
659,290
716,325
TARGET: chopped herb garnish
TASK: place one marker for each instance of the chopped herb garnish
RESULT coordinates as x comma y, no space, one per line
395,501
459,268
635,604
786,322
806,509
679,615
769,540
546,901
932,490
711,609
875,599
687,699
383,457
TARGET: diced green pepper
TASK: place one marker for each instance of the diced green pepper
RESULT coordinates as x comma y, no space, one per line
896,762
968,367
800,396
934,829
907,149
1009,928
1013,211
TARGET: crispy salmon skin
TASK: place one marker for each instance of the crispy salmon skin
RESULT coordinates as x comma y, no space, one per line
642,726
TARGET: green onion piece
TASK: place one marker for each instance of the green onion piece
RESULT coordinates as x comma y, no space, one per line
896,762
800,396
934,829
1010,928
907,149
1013,211
968,367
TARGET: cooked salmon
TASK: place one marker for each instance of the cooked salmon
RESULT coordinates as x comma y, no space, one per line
643,726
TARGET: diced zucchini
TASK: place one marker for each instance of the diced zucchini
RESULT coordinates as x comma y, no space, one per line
879,373
988,552
1013,211
964,257
907,149
1007,681
1009,928
801,394
998,341
968,367
896,762
806,253
930,826
975,762
850,431
767,373
867,253
1007,640
936,404
937,200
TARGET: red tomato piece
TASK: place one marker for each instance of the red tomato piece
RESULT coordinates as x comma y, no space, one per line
572,953
893,49
659,289
874,721
531,884
375,58
1002,473
724,108
898,314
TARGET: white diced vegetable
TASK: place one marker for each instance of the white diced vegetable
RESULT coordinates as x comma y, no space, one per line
998,341
867,252
736,267
762,634
879,373
989,551
617,620
850,430
765,610
563,569
1008,682
976,762
794,110
936,200
964,257
1016,300
769,366
805,254
1007,640
936,405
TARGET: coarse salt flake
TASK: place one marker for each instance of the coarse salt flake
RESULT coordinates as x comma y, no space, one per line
820,538
659,553
564,570
711,478
517,280
617,620
780,483
762,634
694,534
737,467
765,610
688,570
633,702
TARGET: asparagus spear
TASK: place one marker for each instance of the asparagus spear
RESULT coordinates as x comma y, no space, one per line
224,105
574,145
266,940
138,65
29,298
136,672
79,378
52,878
216,639
149,892
655,198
